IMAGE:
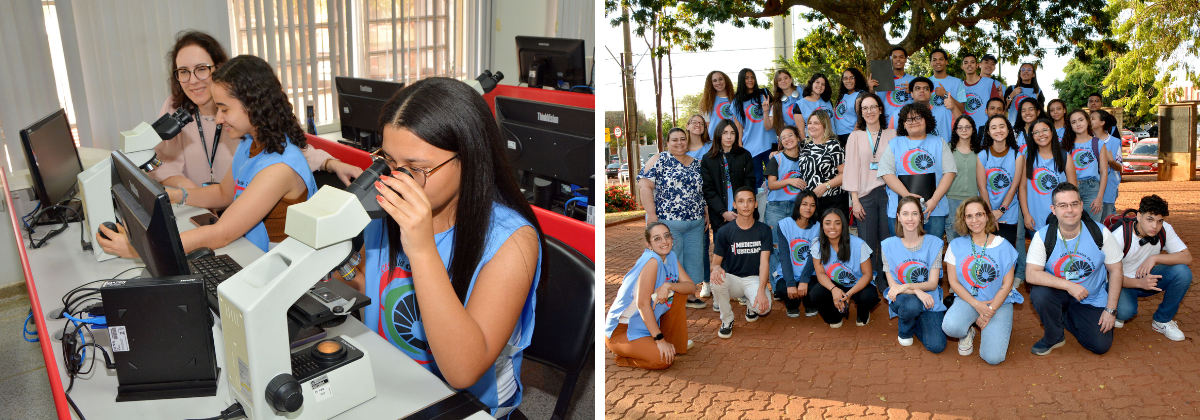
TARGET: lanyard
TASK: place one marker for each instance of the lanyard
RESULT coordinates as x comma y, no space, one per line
1074,252
875,147
204,143
981,253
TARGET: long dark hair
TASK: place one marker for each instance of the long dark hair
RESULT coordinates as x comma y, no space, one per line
1019,125
1032,81
843,253
955,138
450,116
252,82
860,85
861,124
183,39
747,94
1060,159
1069,136
808,89
796,206
777,104
987,140
1108,119
715,150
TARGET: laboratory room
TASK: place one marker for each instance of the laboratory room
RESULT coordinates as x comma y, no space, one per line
297,209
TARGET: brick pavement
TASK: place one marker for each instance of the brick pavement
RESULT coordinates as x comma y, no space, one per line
783,367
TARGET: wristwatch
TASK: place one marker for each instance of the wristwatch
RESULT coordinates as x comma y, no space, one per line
1111,311
1004,209
658,337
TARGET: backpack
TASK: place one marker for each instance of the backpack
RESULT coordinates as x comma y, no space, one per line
1129,223
1052,227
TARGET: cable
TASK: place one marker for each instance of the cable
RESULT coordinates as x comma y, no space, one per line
40,242
25,333
234,411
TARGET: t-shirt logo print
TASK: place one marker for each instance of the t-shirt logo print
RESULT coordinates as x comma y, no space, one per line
799,251
400,318
900,96
973,103
917,161
840,274
754,112
725,110
789,189
1072,262
840,111
912,272
979,271
998,180
1083,159
1044,181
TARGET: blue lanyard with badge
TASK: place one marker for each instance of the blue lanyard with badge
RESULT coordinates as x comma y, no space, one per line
1071,274
875,148
983,254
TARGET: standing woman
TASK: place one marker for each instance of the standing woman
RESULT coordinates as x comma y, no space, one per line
822,161
716,101
1026,87
845,106
868,193
647,292
1058,113
924,162
671,191
783,102
1031,110
843,274
816,97
913,268
1046,166
1090,158
748,103
725,169
793,268
1103,123
1001,169
964,148
698,141
974,263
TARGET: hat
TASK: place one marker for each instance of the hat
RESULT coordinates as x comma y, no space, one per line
987,57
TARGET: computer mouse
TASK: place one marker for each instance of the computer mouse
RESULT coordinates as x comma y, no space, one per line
200,253
111,226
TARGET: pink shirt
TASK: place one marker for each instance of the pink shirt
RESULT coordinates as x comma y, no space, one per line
858,175
186,155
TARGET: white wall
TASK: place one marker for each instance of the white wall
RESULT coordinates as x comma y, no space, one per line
517,17
27,90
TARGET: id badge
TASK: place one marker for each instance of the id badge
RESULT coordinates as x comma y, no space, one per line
874,166
1072,275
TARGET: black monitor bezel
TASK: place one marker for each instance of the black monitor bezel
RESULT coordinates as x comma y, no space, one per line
582,137
353,129
35,171
572,48
156,240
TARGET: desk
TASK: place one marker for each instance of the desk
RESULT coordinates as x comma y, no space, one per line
402,386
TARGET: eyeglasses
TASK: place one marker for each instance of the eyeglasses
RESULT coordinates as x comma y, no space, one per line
1072,205
1042,131
964,128
421,175
661,238
872,108
1026,70
914,120
201,71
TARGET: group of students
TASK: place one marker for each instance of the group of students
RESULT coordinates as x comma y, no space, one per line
453,266
938,157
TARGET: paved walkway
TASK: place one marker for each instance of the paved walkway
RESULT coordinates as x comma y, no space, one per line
782,367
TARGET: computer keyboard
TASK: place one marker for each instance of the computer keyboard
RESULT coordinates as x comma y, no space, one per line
215,270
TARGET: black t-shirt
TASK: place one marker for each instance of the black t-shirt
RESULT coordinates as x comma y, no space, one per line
740,250
773,165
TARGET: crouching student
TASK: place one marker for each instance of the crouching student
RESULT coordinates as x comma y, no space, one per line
648,293
913,268
743,255
793,272
1148,271
980,270
843,266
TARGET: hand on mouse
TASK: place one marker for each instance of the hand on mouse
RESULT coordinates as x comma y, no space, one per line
115,241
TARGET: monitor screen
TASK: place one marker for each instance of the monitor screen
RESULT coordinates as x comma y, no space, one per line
551,140
555,62
53,158
360,101
145,211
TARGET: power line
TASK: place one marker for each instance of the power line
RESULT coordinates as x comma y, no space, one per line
711,51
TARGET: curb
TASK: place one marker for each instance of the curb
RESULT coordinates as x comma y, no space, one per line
627,220
13,289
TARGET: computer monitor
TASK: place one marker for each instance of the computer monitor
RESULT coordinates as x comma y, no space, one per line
145,210
360,101
53,160
555,62
550,140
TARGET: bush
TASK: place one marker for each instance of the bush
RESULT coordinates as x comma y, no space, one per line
617,199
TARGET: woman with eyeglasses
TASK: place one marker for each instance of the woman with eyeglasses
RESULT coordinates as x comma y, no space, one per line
1090,157
698,140
268,173
648,292
868,194
1026,87
964,148
455,263
920,164
845,105
1046,166
671,190
202,152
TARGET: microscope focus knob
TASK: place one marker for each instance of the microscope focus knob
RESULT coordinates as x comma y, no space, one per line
284,393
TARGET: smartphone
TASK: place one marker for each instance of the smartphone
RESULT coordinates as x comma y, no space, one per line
204,219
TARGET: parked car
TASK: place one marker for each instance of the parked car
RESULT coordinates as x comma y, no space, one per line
1127,138
611,170
1142,159
1141,134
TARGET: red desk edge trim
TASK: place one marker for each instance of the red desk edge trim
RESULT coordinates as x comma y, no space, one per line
575,234
56,387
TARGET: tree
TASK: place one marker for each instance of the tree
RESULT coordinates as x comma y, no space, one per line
687,104
1017,25
1161,37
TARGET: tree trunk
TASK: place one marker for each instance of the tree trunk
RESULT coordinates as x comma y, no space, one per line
671,82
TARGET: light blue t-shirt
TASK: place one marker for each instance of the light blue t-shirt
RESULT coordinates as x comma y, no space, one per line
1113,145
1082,256
796,251
909,267
981,270
1038,188
1087,162
668,272
896,99
977,97
954,87
845,114
755,138
807,107
1000,173
722,109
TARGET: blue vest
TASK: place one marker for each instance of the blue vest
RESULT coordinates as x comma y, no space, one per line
1000,172
788,102
668,272
787,170
245,167
981,270
1060,131
722,109
1022,145
909,267
1082,256
943,121
845,114
843,273
1039,187
699,154
954,87
1113,145
915,157
807,107
978,96
896,99
1087,162
799,249
1026,92
394,315
755,138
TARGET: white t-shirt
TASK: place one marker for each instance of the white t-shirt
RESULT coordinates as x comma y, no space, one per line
865,252
1037,248
952,260
1138,253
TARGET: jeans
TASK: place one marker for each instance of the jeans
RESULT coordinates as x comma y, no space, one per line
1175,281
706,255
758,165
737,287
1059,310
873,229
1020,268
935,226
993,339
688,246
822,298
950,217
1109,210
1089,189
915,320
776,211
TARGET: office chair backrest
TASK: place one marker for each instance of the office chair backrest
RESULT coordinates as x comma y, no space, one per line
564,327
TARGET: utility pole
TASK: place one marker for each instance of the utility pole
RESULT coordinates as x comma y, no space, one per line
632,148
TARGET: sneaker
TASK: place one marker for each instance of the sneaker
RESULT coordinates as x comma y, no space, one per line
742,301
704,291
861,323
1169,329
810,312
715,308
793,313
751,316
966,345
726,330
904,341
1042,349
691,344
1119,324
696,303
837,325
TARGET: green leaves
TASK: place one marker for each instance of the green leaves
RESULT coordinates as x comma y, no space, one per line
1160,36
